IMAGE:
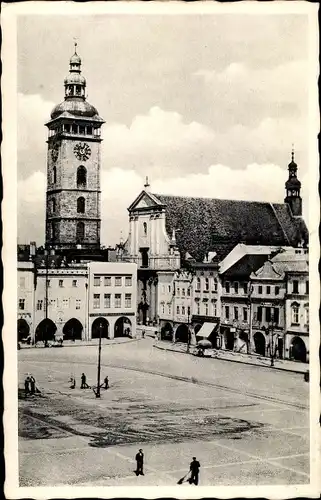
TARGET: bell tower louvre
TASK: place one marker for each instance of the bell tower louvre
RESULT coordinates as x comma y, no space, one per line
73,169
292,188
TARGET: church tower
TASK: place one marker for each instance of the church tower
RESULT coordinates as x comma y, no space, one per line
292,188
73,168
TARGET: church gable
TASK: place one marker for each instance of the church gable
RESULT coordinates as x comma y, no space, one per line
145,201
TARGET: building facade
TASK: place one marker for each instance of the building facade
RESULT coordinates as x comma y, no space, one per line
112,299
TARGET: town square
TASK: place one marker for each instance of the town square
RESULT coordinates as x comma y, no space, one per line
165,328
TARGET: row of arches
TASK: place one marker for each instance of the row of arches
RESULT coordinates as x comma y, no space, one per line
297,350
73,329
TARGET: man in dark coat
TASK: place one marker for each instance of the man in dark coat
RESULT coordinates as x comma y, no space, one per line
140,463
84,384
106,382
32,385
195,469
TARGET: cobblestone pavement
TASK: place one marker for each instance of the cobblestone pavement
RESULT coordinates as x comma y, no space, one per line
246,425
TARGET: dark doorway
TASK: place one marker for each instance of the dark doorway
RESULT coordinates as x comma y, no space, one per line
100,327
298,350
197,328
280,347
123,327
259,342
45,331
229,340
167,332
182,334
22,329
72,329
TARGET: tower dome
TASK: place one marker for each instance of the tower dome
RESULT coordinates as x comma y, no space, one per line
75,93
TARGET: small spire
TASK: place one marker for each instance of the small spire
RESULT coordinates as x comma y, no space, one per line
146,185
76,45
292,154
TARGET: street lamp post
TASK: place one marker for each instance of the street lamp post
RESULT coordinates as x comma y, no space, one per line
272,346
99,358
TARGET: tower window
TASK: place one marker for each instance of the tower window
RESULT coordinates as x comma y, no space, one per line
78,90
53,231
81,177
53,205
75,129
80,232
81,205
54,174
89,130
81,129
145,227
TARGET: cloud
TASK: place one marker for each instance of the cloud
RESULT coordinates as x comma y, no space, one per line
33,113
158,142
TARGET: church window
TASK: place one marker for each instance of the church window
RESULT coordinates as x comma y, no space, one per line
54,174
145,227
53,205
80,232
81,205
81,177
78,90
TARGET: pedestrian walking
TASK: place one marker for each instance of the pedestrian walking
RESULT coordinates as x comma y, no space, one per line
84,384
195,469
27,385
140,463
32,385
106,382
143,334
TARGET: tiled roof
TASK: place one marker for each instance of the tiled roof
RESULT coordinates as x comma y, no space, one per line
204,224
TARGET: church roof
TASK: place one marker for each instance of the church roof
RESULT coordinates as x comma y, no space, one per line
204,224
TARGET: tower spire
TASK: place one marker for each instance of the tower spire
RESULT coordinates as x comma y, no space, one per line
293,187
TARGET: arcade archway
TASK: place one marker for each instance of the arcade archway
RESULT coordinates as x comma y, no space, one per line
123,327
100,327
22,329
45,331
181,334
298,350
167,332
260,344
72,330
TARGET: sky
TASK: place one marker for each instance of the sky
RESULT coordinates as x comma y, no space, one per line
205,105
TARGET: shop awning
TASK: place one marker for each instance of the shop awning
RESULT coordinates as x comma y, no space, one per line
206,330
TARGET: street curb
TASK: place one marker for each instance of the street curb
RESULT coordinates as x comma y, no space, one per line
85,344
237,361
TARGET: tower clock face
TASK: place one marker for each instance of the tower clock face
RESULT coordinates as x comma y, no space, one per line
82,151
